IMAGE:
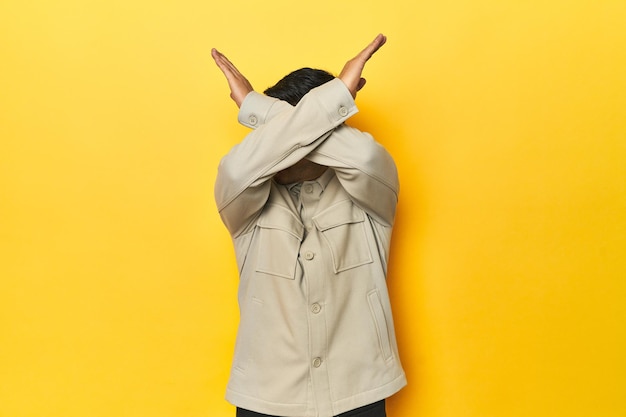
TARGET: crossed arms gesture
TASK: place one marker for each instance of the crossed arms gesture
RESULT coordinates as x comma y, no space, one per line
350,74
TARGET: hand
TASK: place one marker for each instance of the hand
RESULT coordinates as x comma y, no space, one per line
351,72
239,85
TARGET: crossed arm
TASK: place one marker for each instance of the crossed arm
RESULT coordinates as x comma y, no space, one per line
362,166
350,74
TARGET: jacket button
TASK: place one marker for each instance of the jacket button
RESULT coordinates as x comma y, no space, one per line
308,188
343,112
253,120
309,255
316,308
317,362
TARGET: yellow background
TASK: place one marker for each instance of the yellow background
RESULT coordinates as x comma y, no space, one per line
507,120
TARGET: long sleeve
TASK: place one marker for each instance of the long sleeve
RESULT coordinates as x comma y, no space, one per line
283,135
364,169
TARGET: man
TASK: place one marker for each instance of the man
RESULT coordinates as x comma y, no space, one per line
310,204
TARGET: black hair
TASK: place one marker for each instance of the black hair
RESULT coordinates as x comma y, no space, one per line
296,84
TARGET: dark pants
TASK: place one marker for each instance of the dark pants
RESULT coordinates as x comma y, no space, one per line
373,410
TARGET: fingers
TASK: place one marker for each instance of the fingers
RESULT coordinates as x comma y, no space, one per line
374,46
350,75
351,72
239,85
224,64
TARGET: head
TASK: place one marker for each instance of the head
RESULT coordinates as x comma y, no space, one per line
291,89
296,84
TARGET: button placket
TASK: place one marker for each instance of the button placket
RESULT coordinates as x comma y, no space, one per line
312,261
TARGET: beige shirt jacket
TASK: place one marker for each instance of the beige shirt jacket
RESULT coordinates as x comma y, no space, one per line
316,335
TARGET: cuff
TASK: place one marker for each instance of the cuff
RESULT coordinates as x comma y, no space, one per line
254,109
335,97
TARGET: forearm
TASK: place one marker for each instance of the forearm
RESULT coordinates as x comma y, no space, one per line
364,168
283,135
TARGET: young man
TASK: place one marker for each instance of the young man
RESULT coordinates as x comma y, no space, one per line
310,205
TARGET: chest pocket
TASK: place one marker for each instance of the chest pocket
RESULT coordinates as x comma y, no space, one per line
280,233
343,228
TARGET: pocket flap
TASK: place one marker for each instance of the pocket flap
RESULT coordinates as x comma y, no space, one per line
279,217
344,212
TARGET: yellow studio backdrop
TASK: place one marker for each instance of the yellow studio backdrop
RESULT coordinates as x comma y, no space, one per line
507,120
